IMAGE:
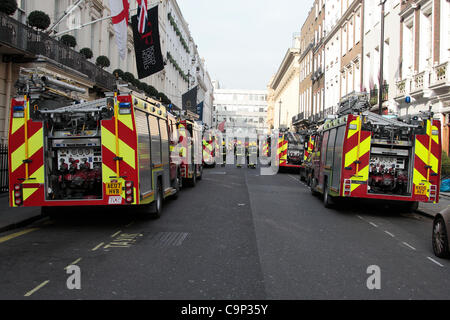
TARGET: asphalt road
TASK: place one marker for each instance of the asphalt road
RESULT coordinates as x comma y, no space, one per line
237,235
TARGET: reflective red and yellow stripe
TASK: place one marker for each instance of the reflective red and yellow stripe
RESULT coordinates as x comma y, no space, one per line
119,141
427,159
356,156
282,150
26,155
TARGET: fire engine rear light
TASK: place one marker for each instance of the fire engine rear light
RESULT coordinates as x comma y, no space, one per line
18,201
17,187
17,194
129,191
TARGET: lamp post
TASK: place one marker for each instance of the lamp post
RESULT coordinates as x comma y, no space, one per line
380,86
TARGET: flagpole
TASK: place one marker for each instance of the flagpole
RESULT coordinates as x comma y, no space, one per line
150,6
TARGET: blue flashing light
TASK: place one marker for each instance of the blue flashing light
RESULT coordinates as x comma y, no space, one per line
124,105
18,108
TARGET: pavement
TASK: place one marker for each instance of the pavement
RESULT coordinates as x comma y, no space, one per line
236,235
18,217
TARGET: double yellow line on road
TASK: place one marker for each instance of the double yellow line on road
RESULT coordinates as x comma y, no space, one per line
17,234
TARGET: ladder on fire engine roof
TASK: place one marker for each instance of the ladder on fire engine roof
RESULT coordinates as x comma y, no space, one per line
376,119
85,107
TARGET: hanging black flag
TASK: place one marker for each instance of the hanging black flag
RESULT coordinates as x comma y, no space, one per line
189,100
147,47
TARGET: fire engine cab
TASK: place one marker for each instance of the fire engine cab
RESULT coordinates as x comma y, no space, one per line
112,151
360,154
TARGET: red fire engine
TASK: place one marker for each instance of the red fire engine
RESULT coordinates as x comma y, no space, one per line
360,154
113,151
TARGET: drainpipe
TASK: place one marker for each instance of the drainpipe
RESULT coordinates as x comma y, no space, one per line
8,100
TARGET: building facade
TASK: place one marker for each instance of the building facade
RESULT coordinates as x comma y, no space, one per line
423,81
285,88
391,56
184,67
243,111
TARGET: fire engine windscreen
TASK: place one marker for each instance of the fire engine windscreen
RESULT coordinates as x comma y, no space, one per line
73,156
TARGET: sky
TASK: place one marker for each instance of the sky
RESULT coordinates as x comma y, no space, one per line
244,41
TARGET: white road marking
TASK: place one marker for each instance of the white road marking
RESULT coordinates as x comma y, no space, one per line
29,293
391,234
98,246
73,263
432,260
373,224
409,246
292,177
129,224
115,234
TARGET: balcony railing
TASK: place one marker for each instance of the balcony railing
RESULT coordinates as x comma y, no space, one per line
24,38
440,75
401,88
418,82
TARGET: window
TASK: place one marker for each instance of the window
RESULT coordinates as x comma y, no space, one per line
330,148
145,166
324,148
337,162
156,140
164,141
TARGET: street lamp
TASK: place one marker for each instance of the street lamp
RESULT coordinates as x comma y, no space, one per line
380,86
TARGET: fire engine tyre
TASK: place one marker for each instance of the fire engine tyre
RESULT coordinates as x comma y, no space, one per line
327,199
201,172
178,186
440,238
193,180
156,207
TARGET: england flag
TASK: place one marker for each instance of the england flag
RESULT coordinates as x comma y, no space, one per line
120,14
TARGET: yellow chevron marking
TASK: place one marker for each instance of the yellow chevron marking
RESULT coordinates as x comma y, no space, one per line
351,156
17,123
422,153
35,142
27,192
435,138
127,120
37,176
363,175
418,179
125,151
17,157
356,122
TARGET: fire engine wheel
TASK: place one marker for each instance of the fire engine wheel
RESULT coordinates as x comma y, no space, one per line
156,206
193,180
327,199
178,186
201,173
312,187
440,238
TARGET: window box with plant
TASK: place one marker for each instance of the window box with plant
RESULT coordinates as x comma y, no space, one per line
87,53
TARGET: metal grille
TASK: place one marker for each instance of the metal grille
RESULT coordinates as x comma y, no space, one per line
3,168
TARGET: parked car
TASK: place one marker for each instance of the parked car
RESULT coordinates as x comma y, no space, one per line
441,242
